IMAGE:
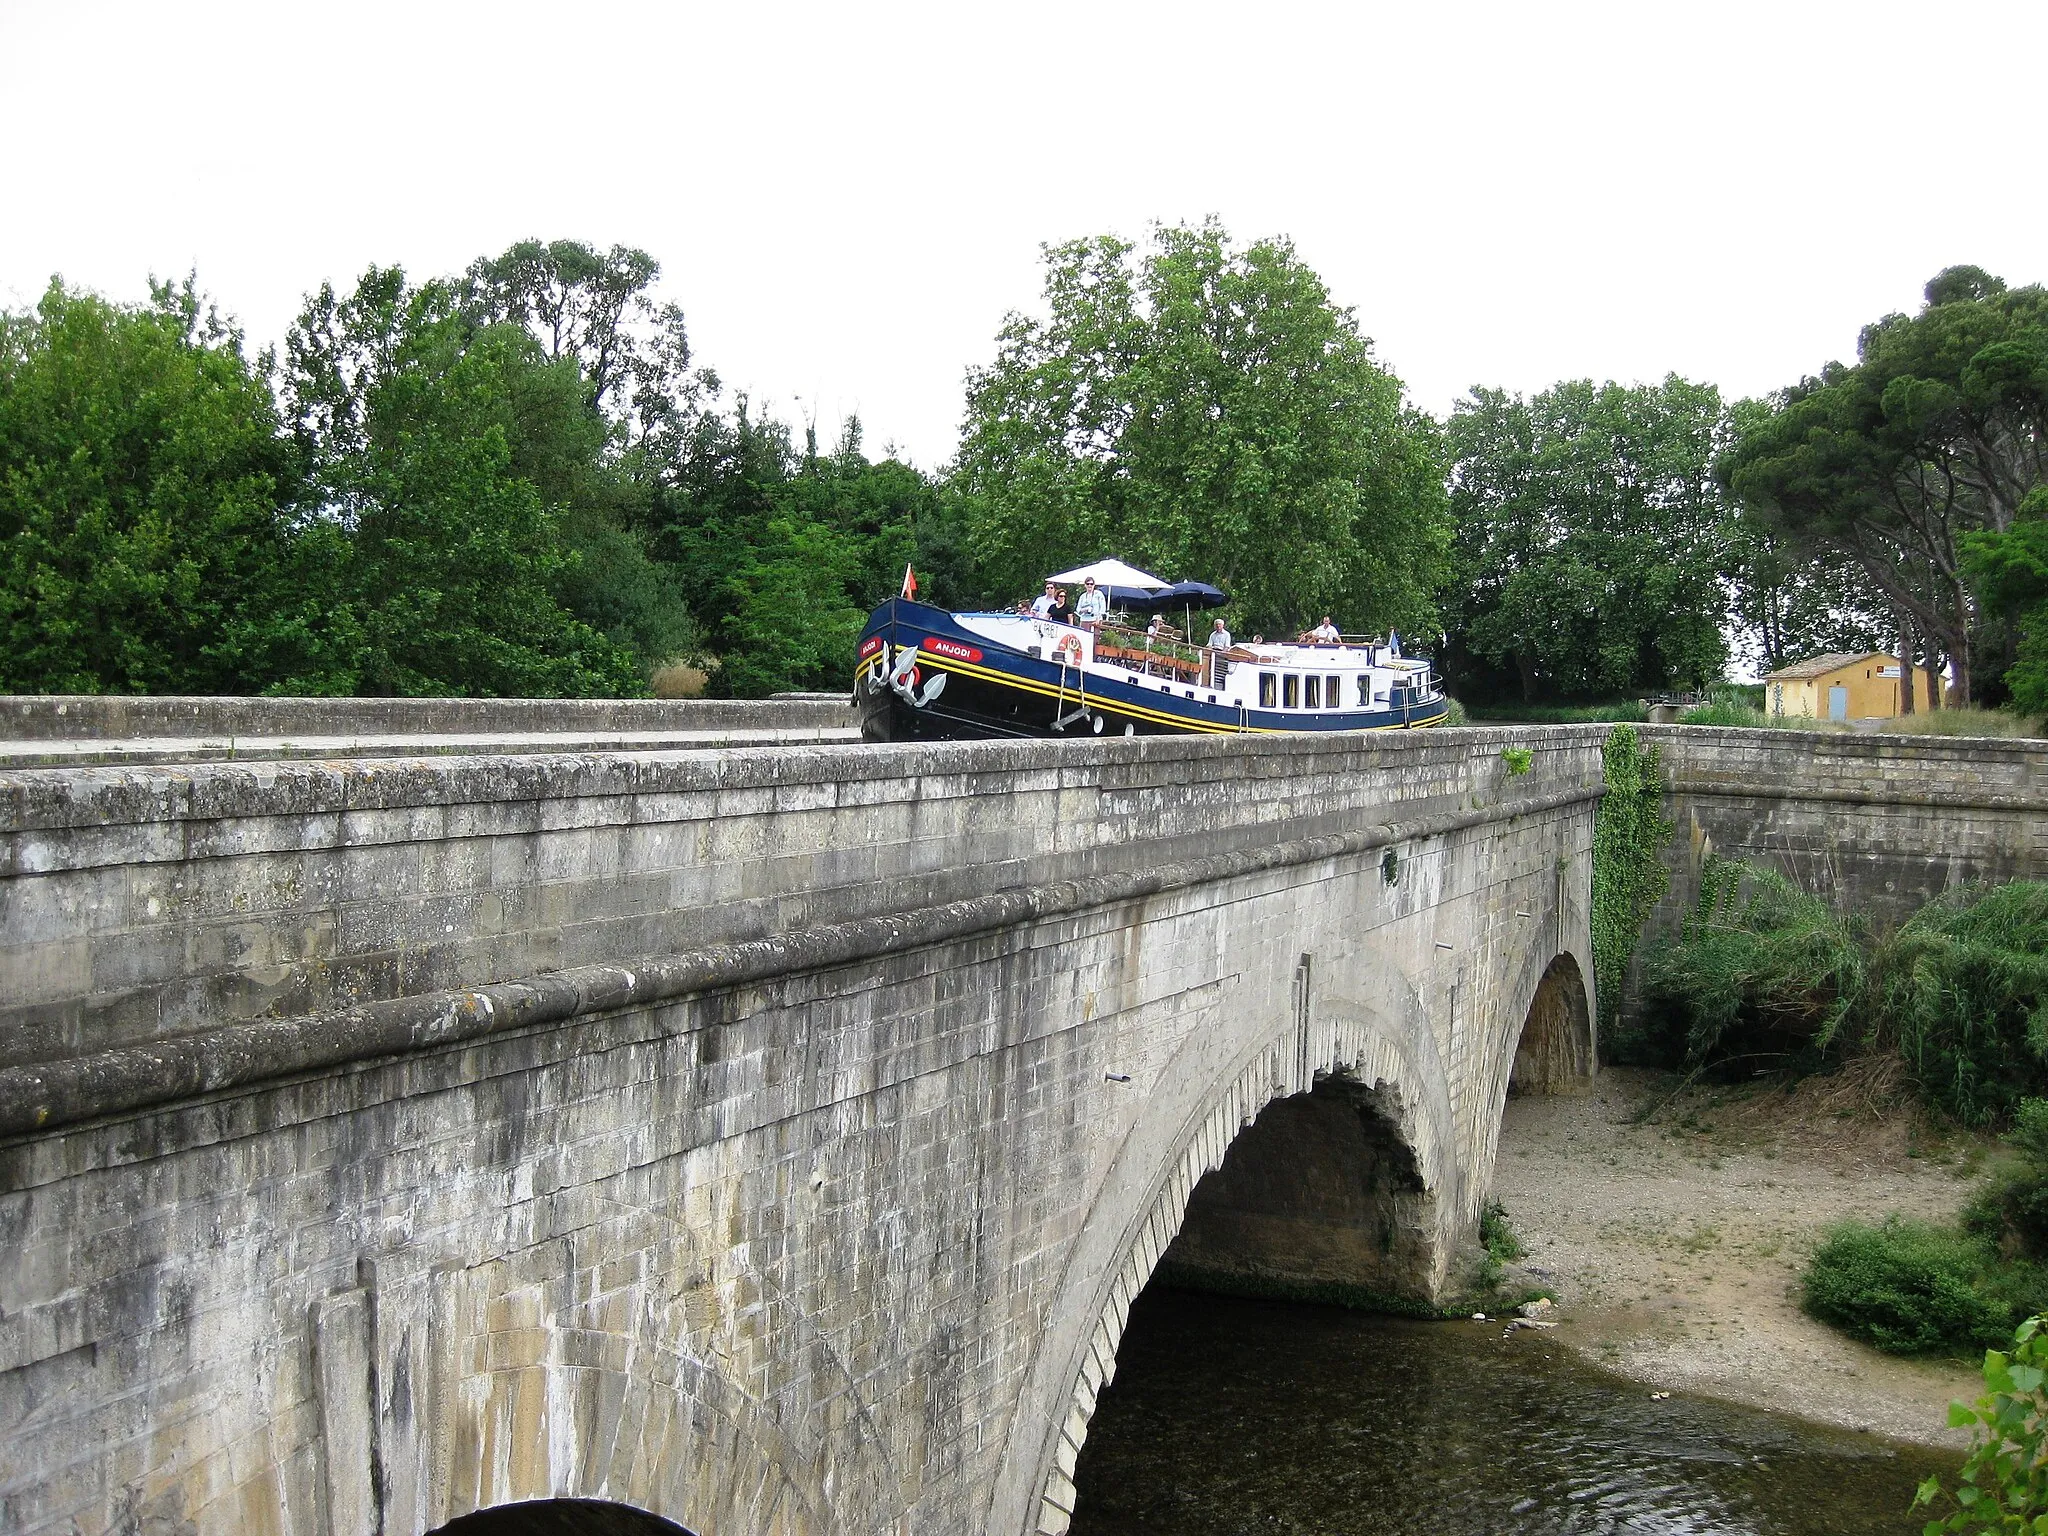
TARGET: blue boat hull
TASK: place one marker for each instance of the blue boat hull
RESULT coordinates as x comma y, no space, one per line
961,686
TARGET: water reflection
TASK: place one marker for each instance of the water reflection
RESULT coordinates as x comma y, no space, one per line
1231,1417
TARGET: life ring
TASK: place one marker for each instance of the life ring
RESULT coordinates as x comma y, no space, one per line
1065,645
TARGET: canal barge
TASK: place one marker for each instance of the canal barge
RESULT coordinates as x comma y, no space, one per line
926,674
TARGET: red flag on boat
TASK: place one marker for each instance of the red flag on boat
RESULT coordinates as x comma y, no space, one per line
909,582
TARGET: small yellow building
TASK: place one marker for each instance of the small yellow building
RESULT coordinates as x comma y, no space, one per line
1836,687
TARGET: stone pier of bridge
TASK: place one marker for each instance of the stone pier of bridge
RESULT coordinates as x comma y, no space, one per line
764,1135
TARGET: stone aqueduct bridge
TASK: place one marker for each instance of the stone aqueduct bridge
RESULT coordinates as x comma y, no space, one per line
768,1137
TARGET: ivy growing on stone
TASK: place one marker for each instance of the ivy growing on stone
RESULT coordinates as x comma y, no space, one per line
1629,877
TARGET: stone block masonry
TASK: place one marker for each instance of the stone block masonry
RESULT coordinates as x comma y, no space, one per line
1875,823
769,1139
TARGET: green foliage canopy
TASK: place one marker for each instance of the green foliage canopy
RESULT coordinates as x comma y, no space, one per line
1206,412
1939,429
143,493
1591,539
435,556
2009,571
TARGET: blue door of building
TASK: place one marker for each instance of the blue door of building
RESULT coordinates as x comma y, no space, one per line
1838,701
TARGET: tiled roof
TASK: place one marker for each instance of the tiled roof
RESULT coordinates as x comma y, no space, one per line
1820,666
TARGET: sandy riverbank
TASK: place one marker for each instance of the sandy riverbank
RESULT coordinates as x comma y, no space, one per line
1675,1247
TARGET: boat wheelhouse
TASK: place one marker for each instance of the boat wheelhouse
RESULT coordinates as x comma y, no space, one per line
924,673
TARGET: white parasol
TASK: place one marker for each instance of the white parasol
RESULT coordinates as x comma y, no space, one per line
1109,573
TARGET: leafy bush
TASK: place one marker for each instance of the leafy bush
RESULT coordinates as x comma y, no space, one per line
1907,1288
1759,968
2004,1481
1963,989
1456,715
2012,1210
1499,1240
1518,760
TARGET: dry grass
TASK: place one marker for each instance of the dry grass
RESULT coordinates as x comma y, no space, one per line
1862,1116
1965,722
679,680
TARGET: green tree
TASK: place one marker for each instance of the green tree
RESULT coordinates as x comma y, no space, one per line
1939,430
627,361
434,559
1206,412
142,481
2009,571
1790,604
1592,540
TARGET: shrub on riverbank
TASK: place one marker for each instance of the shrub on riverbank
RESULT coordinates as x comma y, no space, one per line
1911,1289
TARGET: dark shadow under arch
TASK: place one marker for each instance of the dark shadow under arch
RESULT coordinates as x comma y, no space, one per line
561,1517
1554,1052
1319,1198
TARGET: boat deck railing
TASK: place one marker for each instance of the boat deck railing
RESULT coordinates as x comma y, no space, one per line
1159,656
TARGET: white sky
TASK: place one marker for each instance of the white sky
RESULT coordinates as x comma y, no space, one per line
846,198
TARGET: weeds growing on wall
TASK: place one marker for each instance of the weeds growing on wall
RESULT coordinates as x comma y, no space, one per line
1502,1246
1629,877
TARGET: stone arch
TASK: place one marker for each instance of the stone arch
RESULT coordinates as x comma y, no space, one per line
637,1398
1553,1049
1385,1055
668,1436
561,1517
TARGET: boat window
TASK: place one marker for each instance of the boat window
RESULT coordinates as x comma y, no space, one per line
1266,690
1364,690
1290,691
1334,691
1314,699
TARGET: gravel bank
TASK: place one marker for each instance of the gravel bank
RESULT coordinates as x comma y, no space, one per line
1675,1246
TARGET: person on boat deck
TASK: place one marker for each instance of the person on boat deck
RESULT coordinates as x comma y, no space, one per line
1327,633
1059,612
1219,637
1093,607
1041,605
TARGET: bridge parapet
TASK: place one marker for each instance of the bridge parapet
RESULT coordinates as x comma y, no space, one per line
146,905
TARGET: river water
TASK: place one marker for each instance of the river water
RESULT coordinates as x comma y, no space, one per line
1251,1418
